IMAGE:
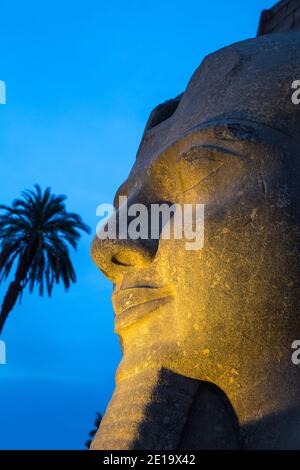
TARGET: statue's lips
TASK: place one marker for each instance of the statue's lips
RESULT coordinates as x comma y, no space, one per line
134,303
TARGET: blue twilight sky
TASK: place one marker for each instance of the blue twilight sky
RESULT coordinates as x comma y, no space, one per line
82,78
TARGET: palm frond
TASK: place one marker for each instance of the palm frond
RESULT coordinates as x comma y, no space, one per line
38,227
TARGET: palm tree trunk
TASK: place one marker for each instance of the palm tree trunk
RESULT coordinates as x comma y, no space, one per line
14,290
9,301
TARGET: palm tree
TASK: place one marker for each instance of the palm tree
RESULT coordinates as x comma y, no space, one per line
92,433
35,234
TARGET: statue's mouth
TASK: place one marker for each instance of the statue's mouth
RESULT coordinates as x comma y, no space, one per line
134,303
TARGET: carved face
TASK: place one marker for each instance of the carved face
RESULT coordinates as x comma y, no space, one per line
224,313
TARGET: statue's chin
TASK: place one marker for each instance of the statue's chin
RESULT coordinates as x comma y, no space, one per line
159,410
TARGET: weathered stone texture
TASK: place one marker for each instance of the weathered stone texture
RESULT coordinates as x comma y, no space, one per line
206,335
284,16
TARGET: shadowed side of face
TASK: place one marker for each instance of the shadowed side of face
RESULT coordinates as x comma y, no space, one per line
226,313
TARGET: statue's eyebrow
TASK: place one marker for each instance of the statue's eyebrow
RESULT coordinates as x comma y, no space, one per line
233,130
230,130
217,135
210,148
226,132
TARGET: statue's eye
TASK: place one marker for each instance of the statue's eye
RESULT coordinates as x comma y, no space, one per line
197,164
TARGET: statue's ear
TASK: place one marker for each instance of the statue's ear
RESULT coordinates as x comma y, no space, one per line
282,17
162,112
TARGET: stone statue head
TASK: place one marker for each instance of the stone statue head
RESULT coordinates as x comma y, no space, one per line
227,314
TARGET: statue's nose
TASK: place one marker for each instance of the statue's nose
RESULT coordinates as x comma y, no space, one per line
116,255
